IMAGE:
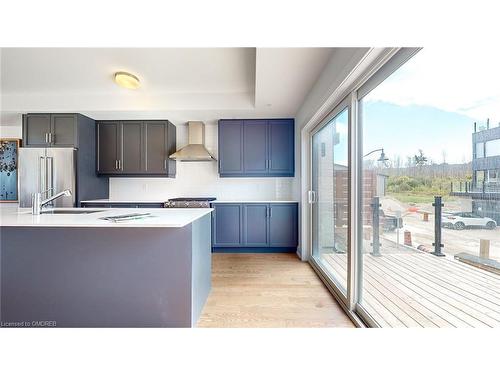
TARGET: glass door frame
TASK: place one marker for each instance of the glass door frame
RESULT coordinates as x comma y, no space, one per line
331,283
352,96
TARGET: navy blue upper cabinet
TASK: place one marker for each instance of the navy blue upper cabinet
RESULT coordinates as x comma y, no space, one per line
136,148
255,155
231,147
257,148
54,129
281,147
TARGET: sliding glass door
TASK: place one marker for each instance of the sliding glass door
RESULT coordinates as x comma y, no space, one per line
329,196
423,195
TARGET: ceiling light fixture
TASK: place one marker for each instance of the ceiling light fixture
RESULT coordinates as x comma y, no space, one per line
127,80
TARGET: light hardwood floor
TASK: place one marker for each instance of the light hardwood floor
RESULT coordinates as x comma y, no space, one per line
268,290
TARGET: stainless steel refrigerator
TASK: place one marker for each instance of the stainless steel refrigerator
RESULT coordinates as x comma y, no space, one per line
48,170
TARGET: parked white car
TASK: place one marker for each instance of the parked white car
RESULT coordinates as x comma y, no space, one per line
463,220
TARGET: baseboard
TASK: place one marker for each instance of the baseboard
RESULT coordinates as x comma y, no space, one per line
260,250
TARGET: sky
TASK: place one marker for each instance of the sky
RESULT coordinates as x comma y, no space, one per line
431,103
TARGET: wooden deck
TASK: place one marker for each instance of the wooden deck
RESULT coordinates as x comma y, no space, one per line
417,289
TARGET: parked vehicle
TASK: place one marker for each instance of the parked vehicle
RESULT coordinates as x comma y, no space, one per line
464,220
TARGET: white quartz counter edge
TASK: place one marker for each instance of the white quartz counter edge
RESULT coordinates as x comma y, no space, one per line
124,201
166,199
250,201
160,218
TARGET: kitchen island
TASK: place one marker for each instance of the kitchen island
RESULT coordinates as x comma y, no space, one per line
74,269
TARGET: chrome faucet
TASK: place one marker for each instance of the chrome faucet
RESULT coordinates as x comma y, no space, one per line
37,203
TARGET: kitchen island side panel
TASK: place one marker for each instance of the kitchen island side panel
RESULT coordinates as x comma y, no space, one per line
202,265
97,277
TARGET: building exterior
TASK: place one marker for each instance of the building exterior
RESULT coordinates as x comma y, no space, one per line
485,186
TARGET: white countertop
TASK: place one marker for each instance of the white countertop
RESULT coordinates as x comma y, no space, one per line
251,201
166,199
125,201
161,217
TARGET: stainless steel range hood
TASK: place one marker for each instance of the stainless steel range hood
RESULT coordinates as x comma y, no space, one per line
195,150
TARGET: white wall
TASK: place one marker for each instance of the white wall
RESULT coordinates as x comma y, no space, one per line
10,131
11,125
201,179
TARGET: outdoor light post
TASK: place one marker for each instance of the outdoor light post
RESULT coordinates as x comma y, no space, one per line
382,157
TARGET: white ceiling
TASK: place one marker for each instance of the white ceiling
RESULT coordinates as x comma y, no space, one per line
177,83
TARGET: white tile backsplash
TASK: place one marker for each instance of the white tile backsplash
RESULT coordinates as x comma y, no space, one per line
202,179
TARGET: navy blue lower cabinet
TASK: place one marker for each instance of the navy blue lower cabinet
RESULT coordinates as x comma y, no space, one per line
226,225
254,227
283,225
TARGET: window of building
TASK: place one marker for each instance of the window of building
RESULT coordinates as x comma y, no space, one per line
479,177
492,148
480,150
493,176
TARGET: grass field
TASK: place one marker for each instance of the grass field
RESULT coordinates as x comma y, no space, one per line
418,198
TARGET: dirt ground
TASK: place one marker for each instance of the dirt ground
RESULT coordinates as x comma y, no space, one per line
454,241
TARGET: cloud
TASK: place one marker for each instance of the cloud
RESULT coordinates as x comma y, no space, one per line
465,81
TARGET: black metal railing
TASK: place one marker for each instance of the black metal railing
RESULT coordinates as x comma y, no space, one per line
438,245
474,187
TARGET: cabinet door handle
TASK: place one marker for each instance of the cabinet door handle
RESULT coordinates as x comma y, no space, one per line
51,139
116,164
270,212
165,164
46,137
120,164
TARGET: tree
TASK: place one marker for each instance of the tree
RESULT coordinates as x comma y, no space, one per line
420,159
444,154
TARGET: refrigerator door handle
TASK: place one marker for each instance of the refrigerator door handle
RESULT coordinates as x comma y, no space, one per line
42,177
50,173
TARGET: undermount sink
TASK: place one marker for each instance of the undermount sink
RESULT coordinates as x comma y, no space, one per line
70,212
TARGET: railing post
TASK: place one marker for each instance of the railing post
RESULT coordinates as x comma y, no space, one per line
460,186
376,226
437,227
484,186
451,187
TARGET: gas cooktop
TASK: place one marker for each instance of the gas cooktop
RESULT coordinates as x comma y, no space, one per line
189,202
209,199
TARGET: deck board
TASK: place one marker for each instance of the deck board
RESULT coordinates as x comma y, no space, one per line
417,289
